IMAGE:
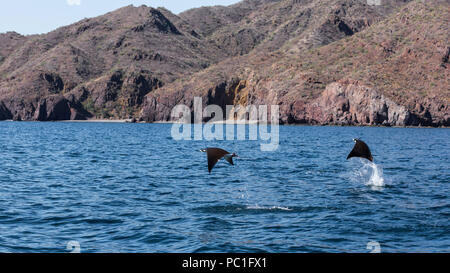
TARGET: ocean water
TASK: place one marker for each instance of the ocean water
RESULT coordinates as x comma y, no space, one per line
104,187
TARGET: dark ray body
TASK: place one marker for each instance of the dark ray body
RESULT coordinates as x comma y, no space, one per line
360,150
216,154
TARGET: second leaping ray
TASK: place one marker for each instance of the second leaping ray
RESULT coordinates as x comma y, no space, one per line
216,154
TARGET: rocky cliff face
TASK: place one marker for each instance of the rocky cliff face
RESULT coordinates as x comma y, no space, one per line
346,102
349,103
4,112
323,62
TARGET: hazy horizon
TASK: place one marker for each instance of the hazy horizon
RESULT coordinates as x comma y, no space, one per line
32,17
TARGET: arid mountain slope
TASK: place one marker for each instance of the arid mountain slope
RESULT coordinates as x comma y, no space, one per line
394,72
322,62
9,42
99,63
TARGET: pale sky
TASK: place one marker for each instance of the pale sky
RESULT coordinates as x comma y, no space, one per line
41,16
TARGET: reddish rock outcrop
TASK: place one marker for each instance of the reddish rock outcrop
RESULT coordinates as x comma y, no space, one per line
118,94
53,108
348,102
4,112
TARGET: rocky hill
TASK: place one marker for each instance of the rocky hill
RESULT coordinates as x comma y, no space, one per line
324,62
100,67
389,71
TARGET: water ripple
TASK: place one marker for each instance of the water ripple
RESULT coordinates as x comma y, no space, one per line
131,188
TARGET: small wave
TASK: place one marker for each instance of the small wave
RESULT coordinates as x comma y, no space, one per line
256,207
243,209
100,221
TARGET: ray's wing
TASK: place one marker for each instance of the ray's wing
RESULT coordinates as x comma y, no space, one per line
214,155
229,158
361,150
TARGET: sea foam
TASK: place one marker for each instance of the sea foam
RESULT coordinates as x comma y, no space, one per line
370,174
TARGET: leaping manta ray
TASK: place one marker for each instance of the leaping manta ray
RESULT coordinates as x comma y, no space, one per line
216,154
360,150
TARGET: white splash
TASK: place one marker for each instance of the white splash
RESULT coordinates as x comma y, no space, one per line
376,178
370,173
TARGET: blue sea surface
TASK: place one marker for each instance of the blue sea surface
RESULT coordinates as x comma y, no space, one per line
116,187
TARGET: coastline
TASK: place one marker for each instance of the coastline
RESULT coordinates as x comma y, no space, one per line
99,121
228,122
297,124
